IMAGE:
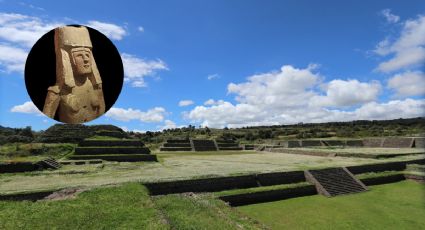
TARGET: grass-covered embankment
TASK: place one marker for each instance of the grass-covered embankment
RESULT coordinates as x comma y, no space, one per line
125,207
33,151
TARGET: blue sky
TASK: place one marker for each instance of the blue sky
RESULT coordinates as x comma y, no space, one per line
234,63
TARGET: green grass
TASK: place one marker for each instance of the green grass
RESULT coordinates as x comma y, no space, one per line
33,151
177,167
392,206
124,207
415,169
377,174
364,150
103,138
184,211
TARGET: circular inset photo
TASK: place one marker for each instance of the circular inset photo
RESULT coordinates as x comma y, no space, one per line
74,74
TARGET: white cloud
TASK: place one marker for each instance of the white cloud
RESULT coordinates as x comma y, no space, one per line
391,18
284,88
27,107
185,103
12,58
136,69
290,96
409,83
392,109
141,29
347,93
168,124
156,114
19,32
132,130
22,29
213,76
112,31
406,51
213,102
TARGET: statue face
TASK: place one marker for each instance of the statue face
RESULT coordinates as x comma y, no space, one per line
82,61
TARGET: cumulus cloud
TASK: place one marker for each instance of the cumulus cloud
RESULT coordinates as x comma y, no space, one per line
213,102
391,110
141,29
185,103
290,96
283,88
156,114
168,124
136,69
409,83
112,31
408,50
391,18
347,93
27,107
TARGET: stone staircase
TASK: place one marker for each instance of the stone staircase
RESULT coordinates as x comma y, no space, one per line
113,150
334,181
176,145
204,145
228,145
49,163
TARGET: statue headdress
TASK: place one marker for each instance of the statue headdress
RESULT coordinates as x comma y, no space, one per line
67,40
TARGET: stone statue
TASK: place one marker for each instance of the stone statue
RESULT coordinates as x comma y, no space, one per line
77,96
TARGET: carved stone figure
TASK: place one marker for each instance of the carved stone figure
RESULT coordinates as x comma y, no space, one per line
77,96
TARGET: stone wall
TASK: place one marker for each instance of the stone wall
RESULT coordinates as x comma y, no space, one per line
204,145
110,150
202,185
268,196
18,167
310,143
373,142
397,142
383,179
106,143
420,142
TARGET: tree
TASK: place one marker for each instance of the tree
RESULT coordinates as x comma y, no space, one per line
26,132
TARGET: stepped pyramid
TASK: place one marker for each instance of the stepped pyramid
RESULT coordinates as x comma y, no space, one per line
113,150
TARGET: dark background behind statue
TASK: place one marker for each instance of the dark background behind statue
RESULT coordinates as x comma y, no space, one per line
40,68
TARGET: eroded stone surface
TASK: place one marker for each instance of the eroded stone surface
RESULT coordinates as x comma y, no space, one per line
77,96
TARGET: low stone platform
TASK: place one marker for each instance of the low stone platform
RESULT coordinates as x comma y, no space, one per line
397,142
101,143
176,145
119,158
101,150
228,145
204,145
113,150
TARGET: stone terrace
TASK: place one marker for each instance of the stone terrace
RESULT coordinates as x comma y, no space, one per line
113,150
